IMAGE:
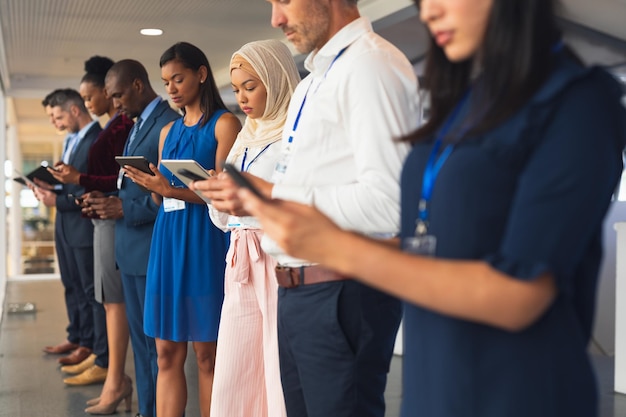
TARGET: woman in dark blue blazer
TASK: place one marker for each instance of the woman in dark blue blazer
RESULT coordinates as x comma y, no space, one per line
503,200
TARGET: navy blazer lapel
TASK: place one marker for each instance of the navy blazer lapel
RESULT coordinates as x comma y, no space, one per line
84,142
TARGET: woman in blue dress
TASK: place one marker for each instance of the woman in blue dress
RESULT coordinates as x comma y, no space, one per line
503,200
185,279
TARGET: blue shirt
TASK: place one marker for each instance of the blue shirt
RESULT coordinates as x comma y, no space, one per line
150,108
527,197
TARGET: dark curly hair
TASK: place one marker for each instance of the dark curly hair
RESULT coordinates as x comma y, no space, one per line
96,69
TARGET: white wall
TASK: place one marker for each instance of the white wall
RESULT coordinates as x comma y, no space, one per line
3,212
604,328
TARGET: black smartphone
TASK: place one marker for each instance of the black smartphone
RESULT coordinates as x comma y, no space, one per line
242,181
77,198
191,175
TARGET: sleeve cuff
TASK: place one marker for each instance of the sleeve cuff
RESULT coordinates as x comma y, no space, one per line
522,270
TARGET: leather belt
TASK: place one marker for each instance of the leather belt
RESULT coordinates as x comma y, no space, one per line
288,277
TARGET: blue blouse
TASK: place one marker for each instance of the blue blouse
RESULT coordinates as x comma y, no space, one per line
527,197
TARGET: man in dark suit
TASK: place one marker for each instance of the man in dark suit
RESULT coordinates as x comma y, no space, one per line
73,331
128,85
74,236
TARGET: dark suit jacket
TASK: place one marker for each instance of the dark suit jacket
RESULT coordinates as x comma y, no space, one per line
133,232
76,230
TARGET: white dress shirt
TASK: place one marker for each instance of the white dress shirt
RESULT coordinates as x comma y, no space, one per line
344,158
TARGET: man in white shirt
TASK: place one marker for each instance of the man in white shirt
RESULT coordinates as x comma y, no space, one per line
340,154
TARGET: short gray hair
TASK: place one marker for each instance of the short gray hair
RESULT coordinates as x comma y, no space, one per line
65,98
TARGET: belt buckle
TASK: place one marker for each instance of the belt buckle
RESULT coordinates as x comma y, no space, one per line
294,277
292,274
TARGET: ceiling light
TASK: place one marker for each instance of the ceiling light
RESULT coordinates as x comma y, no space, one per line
151,32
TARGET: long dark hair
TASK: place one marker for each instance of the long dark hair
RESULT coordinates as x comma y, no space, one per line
516,57
96,69
193,58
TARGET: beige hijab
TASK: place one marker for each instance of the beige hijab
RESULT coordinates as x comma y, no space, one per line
272,63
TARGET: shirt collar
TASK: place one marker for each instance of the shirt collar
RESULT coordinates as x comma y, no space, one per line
81,133
318,61
150,108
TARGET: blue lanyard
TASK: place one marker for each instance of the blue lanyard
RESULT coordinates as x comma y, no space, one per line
245,168
434,164
297,121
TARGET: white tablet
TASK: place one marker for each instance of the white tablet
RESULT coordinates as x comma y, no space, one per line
187,170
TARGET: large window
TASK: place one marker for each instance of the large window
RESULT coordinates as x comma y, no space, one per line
36,222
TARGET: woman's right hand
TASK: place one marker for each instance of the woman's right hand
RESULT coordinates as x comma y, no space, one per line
222,192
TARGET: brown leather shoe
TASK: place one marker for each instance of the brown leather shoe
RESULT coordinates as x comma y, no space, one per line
63,347
93,375
81,367
77,356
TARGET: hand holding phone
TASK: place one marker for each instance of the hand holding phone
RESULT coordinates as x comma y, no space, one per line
191,175
77,198
241,180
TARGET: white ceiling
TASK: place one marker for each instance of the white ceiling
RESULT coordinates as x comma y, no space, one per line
44,43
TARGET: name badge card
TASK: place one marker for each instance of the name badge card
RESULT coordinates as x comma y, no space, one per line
423,245
172,204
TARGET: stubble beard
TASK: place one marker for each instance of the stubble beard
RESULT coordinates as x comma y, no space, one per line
312,34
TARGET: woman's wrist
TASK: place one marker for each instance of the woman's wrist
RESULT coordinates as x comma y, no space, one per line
167,191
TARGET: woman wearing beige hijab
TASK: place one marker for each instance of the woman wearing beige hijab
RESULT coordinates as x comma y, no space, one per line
247,376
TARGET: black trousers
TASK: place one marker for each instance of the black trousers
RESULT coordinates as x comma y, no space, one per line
335,342
87,317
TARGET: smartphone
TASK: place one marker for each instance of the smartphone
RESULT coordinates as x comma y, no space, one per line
191,175
242,181
186,170
77,198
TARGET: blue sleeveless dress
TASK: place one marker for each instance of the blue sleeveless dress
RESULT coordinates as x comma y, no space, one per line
185,279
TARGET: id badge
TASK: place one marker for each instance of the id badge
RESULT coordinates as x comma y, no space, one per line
120,178
281,166
423,245
172,204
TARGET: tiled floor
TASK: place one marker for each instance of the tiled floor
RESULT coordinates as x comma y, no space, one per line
31,382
